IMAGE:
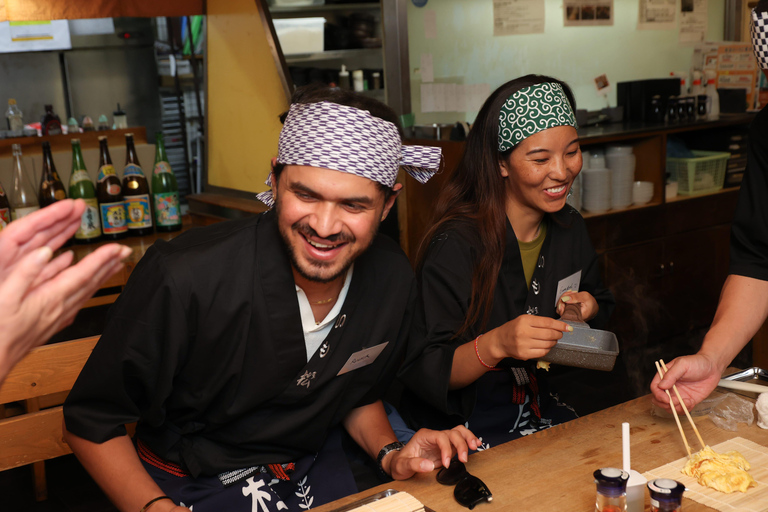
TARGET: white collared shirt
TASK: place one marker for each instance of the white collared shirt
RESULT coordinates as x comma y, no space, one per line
316,332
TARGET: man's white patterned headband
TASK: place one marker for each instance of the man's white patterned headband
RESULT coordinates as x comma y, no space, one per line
350,140
531,110
760,37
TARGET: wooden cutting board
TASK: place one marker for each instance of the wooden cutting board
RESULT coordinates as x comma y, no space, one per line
754,500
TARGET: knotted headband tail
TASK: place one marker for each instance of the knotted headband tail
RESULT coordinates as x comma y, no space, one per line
760,37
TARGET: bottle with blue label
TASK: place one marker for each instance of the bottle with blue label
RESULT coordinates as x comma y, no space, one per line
136,192
110,195
165,191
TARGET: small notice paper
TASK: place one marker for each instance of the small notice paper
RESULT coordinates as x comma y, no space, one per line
362,358
568,284
511,17
427,71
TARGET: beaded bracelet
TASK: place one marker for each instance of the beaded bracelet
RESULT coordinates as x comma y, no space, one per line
153,501
481,359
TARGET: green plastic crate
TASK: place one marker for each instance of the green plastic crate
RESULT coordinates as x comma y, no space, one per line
700,175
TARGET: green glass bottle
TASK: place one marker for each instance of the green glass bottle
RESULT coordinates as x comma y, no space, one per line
165,192
81,187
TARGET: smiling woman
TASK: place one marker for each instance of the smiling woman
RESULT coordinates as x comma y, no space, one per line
504,255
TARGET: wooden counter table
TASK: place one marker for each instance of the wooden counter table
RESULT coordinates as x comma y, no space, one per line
552,469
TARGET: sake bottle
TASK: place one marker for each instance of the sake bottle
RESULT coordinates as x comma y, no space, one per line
81,187
165,192
110,196
23,197
51,188
135,192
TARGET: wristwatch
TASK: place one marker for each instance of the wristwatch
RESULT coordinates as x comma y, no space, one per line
391,447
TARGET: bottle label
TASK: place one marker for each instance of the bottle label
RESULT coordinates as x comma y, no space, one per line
132,170
18,213
106,170
90,225
167,209
139,214
162,167
78,176
5,217
60,194
53,128
113,218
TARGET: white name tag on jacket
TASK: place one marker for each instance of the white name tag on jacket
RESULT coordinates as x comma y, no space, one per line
568,284
362,358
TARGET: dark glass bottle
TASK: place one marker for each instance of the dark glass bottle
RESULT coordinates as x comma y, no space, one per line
136,192
51,187
81,187
51,124
165,191
110,196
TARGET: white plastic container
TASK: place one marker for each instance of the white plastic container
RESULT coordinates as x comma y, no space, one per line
300,35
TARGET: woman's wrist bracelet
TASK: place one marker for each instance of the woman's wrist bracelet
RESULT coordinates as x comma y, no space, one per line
477,351
153,501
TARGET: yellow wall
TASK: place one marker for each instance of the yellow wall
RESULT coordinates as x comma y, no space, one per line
245,97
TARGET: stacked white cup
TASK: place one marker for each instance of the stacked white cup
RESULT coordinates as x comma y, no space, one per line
621,161
596,183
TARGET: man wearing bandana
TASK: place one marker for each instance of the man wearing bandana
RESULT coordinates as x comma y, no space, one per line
743,306
242,349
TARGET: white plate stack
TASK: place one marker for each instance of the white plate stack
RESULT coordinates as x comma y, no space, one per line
621,161
596,189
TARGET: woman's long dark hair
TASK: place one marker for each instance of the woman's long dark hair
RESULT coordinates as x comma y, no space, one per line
475,192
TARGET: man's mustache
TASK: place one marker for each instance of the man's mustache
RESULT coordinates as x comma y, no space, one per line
306,230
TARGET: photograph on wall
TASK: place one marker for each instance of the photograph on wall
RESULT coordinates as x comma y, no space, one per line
514,17
587,13
657,15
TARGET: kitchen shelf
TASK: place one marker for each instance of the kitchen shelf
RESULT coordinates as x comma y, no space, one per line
332,55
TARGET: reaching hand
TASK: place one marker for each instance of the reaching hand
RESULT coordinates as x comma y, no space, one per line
430,449
527,337
38,296
694,377
586,302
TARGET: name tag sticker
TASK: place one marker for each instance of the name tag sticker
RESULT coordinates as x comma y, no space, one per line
362,358
569,284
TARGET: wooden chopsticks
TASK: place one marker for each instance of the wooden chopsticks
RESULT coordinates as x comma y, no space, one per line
685,409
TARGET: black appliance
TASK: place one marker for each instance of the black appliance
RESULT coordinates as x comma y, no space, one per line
636,96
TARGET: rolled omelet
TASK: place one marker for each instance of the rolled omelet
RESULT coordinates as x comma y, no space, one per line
724,472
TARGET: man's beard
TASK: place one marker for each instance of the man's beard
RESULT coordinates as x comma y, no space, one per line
306,271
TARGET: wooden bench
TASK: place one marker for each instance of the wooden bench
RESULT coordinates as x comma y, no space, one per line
36,435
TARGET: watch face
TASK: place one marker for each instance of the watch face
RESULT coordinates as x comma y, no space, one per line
419,3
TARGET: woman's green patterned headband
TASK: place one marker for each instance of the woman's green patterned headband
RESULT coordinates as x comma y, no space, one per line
531,110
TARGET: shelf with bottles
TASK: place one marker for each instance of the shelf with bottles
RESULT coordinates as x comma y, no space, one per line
286,11
33,145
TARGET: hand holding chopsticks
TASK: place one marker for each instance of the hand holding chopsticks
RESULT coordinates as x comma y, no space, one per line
685,409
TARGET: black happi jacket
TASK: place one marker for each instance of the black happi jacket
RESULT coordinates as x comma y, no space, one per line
205,349
445,283
749,232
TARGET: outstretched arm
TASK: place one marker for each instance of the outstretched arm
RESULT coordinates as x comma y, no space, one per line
741,312
428,449
39,296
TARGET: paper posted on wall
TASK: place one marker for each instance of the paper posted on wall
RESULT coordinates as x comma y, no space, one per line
693,21
513,17
657,15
